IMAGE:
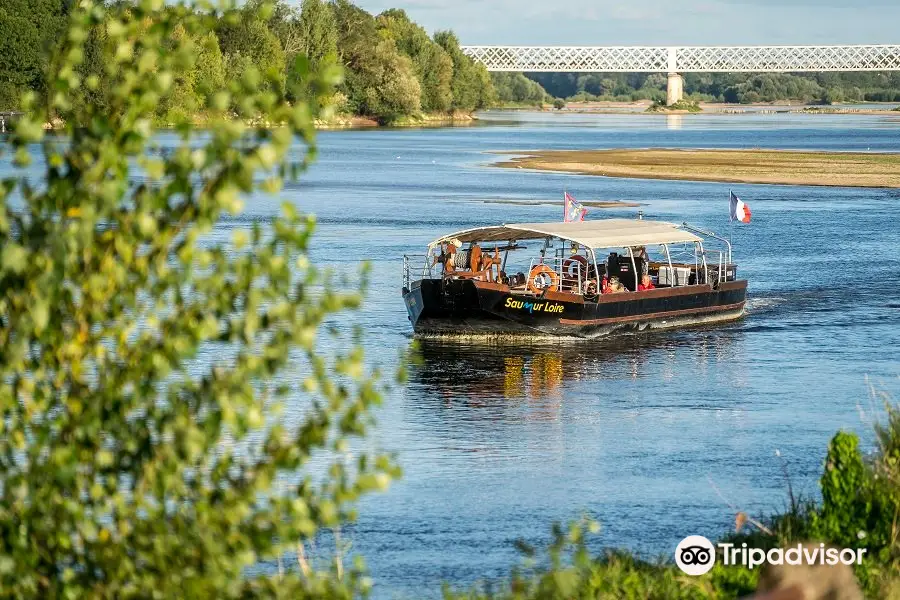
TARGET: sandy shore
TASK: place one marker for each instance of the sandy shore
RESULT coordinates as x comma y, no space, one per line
589,203
851,169
718,108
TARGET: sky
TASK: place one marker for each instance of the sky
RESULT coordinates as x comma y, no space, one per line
655,22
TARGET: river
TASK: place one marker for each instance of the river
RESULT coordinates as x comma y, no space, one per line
649,434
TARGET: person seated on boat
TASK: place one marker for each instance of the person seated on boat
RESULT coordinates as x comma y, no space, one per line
646,283
615,286
640,256
640,252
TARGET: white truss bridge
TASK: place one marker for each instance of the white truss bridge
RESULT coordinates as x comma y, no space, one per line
686,59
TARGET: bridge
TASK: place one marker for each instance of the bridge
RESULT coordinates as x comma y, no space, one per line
676,60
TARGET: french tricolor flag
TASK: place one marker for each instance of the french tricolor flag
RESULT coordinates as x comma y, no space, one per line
739,210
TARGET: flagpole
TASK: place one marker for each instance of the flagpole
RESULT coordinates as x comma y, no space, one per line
730,219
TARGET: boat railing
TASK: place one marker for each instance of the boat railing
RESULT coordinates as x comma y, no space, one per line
569,274
717,261
409,262
698,230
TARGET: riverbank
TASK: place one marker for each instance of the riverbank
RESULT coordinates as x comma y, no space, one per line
342,121
837,169
345,121
645,106
587,203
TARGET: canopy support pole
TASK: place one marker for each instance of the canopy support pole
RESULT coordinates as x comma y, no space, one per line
634,268
672,280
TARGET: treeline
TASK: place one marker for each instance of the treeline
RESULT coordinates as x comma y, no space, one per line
825,88
516,88
392,67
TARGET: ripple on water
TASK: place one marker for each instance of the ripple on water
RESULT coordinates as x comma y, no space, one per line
499,441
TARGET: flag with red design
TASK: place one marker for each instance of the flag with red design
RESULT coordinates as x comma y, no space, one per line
573,211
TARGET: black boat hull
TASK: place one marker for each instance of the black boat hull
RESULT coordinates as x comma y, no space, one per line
467,308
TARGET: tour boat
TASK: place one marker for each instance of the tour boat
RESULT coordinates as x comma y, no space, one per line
581,279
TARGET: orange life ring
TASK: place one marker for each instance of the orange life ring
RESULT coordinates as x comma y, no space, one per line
571,266
539,271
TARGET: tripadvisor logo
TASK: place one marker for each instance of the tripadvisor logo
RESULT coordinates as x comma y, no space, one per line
695,555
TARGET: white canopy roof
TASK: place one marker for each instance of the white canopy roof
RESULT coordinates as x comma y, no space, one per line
604,233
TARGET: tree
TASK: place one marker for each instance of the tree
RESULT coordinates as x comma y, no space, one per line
389,85
516,88
318,31
246,43
27,29
471,84
433,66
209,70
310,43
142,363
380,82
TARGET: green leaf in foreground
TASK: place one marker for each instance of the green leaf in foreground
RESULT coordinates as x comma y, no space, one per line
142,364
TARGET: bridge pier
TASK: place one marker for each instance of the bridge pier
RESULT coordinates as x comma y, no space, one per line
674,89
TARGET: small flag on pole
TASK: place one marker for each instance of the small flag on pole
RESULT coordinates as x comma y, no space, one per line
573,211
739,210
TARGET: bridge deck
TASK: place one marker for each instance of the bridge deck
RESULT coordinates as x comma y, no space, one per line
686,59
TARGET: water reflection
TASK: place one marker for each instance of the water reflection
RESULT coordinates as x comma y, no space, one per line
674,122
481,374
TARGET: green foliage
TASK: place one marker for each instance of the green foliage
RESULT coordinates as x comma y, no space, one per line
381,81
559,104
570,571
143,364
393,69
27,30
209,70
247,43
681,105
726,87
318,31
433,66
309,39
471,83
858,508
515,88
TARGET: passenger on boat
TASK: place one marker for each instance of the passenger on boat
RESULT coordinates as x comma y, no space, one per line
615,286
640,254
646,284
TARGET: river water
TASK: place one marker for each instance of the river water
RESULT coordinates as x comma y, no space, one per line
652,435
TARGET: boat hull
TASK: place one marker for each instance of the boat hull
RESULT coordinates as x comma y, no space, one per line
466,308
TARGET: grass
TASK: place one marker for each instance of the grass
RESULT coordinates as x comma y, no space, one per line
680,106
844,169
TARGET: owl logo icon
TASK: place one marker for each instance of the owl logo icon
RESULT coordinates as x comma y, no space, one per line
695,555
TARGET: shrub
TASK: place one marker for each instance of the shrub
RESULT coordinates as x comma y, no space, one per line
142,364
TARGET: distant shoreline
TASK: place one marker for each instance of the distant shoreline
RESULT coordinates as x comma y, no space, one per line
779,167
717,108
588,203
